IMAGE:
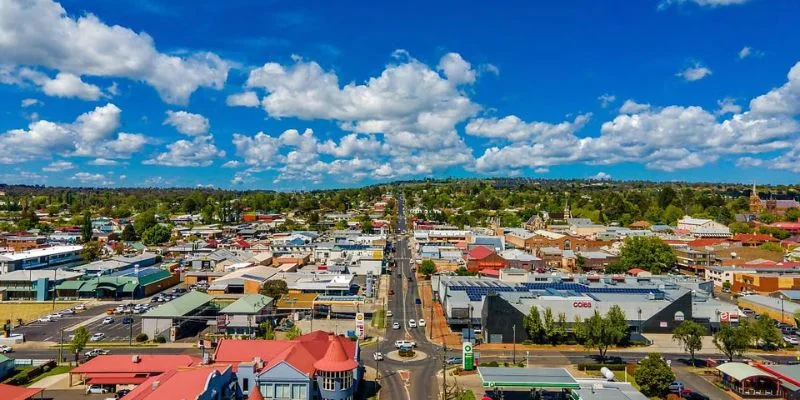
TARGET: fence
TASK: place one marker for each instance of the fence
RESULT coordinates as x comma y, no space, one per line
27,362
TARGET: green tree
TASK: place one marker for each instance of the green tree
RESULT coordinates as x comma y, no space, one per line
78,342
144,221
128,233
740,227
777,233
647,252
580,263
732,341
690,335
293,333
600,332
764,334
366,223
268,332
91,250
533,325
156,234
86,227
654,375
553,330
341,225
767,218
274,288
427,268
771,246
672,214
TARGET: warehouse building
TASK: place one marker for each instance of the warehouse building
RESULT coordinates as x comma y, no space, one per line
651,305
34,284
179,318
48,257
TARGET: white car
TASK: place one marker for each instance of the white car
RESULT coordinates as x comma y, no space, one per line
96,389
55,315
412,323
80,307
46,318
377,356
396,325
790,340
405,343
68,311
5,349
98,337
108,320
389,313
421,322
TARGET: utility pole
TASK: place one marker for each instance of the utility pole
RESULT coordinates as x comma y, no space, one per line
54,288
514,345
130,334
60,347
444,370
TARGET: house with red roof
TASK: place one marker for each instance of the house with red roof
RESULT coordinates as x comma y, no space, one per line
290,368
480,257
793,227
752,239
11,392
120,369
199,382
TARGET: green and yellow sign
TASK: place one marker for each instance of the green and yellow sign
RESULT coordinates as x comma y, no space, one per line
467,357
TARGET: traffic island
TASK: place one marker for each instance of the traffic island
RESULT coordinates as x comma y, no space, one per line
415,356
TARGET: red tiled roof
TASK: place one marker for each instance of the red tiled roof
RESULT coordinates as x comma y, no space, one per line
255,394
243,244
479,253
490,272
706,242
110,364
11,392
752,237
121,379
335,359
635,271
789,226
176,384
300,353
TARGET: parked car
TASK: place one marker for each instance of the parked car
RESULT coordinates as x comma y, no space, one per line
80,306
96,352
395,325
5,349
97,337
96,389
389,313
127,320
122,392
412,323
791,340
453,361
418,301
421,323
108,320
377,356
676,386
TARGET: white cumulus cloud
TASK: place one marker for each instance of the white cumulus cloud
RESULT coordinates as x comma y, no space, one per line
695,73
187,123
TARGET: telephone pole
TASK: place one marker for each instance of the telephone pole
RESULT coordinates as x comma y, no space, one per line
60,347
444,370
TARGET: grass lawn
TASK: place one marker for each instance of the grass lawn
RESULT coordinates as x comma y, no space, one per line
30,310
379,319
466,395
18,371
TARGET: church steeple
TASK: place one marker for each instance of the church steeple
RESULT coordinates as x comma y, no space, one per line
756,206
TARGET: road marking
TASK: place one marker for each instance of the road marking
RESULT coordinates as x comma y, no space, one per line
47,338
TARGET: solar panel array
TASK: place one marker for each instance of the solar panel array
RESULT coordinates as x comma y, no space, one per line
477,290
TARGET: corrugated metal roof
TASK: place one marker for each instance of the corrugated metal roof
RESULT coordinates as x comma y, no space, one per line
180,306
249,304
741,371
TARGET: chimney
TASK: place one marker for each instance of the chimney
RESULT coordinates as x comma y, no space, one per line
135,358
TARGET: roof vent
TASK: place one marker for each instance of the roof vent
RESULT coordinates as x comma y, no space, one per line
135,358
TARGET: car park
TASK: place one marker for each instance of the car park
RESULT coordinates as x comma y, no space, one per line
395,325
5,349
377,356
98,336
412,323
108,320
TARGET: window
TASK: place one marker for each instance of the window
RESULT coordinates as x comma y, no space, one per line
283,391
268,391
299,392
245,385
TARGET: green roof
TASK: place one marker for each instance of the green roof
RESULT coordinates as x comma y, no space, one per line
154,277
527,377
249,304
89,286
129,287
3,358
741,371
181,306
70,285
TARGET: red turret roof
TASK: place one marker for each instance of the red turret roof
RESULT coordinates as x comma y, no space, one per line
335,359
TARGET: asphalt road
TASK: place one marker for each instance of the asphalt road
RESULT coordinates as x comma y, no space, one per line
51,331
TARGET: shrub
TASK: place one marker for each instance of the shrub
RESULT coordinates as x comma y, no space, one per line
160,339
527,342
142,337
598,367
492,364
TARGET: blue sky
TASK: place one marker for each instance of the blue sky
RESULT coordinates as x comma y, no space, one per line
304,94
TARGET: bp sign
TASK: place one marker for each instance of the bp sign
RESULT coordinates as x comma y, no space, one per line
467,357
